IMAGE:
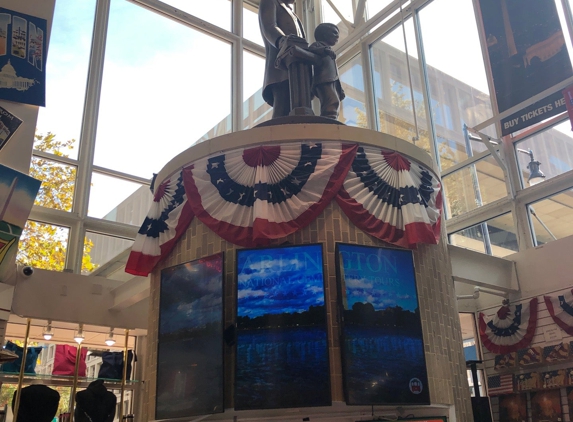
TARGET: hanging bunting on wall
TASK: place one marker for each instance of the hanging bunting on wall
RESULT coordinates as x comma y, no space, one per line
167,219
510,329
392,198
561,310
250,196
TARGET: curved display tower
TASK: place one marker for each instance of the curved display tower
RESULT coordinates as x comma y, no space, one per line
359,208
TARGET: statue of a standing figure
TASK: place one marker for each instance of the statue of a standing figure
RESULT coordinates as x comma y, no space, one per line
325,82
277,22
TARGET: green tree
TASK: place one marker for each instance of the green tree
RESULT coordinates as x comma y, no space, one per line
43,245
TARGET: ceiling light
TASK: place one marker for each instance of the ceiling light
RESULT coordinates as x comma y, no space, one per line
79,335
109,340
47,332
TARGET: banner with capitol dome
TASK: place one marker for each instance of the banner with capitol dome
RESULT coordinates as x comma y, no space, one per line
22,58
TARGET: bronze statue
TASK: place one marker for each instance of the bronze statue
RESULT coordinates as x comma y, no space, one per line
277,21
289,61
325,83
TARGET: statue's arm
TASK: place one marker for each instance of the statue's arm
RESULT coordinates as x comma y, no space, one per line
268,19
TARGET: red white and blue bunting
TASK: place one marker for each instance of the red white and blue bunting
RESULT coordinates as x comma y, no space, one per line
250,196
561,310
392,198
254,195
510,329
167,219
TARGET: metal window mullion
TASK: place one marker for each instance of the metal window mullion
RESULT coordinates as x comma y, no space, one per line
369,95
121,175
55,158
479,215
237,67
459,166
186,19
110,228
88,134
426,89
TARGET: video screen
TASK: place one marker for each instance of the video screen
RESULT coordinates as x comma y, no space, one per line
382,344
190,347
282,346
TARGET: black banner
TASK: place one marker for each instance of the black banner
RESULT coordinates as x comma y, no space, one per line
527,54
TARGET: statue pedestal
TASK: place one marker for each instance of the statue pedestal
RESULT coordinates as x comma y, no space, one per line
295,57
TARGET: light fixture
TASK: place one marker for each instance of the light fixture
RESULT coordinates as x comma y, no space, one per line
79,335
110,340
47,332
536,176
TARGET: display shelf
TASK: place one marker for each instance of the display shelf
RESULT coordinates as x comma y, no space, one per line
63,380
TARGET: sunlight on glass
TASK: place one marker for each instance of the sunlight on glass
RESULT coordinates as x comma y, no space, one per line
118,200
251,30
552,218
353,108
495,237
158,96
102,249
67,70
461,38
394,105
217,12
255,110
552,148
375,6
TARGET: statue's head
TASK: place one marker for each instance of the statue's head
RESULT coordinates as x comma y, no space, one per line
327,33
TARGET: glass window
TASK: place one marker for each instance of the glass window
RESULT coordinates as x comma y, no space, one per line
217,12
158,95
393,93
43,246
67,70
552,148
329,15
58,183
118,200
495,237
353,107
552,218
474,186
375,6
255,110
251,30
101,249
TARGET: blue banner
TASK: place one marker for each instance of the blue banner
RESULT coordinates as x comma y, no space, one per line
22,58
527,55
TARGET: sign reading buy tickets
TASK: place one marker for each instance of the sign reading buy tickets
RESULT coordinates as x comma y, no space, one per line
527,55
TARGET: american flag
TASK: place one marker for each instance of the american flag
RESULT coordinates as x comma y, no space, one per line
500,384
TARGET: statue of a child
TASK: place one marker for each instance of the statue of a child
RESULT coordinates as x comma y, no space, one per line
325,83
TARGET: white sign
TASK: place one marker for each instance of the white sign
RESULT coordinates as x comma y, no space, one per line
552,334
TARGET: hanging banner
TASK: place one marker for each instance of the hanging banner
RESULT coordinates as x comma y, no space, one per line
22,58
8,125
527,55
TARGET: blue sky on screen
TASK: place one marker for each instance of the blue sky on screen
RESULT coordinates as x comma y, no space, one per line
191,296
382,277
279,280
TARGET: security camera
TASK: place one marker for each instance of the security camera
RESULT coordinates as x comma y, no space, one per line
27,271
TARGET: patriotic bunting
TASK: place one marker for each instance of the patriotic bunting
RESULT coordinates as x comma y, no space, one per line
561,310
510,329
166,221
392,198
250,196
253,195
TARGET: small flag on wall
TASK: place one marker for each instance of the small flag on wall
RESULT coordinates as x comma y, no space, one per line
500,384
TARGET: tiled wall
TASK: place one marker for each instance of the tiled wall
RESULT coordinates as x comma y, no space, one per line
440,322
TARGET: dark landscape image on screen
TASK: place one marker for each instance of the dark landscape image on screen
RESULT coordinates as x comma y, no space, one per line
383,350
190,350
282,348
